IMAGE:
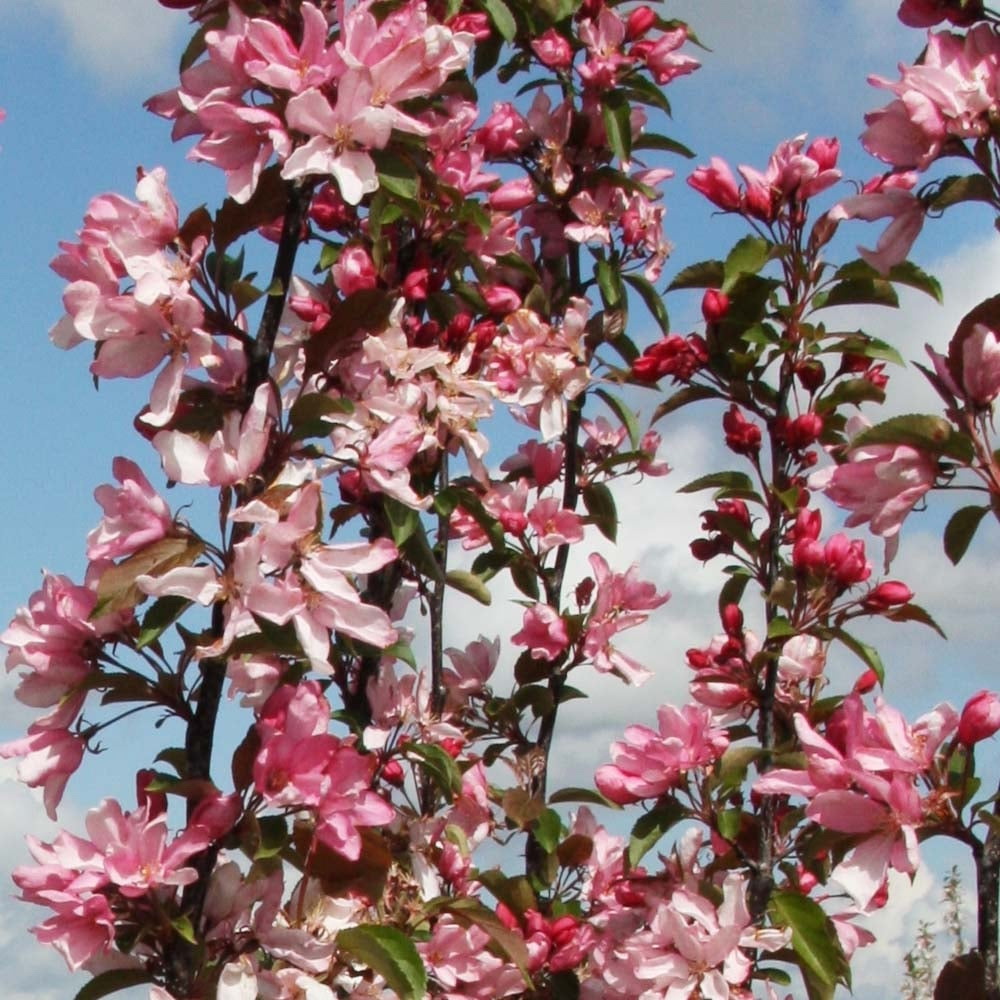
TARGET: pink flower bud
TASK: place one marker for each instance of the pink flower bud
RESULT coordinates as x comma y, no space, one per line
513,195
639,22
866,682
888,594
980,718
552,50
714,305
717,184
732,620
500,299
505,132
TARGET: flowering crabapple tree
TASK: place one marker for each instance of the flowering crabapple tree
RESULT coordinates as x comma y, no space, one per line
433,262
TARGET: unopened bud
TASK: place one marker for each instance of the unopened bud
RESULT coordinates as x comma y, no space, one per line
980,718
714,305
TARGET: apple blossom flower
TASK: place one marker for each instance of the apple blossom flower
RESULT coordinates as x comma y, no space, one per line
980,718
648,763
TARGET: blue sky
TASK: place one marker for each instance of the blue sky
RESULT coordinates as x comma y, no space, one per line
74,75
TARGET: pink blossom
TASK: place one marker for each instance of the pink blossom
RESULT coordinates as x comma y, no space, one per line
554,526
229,456
49,757
135,515
879,484
980,365
543,631
354,271
281,63
648,763
552,50
886,197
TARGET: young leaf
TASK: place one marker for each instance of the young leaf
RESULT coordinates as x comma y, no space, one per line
469,583
581,795
814,939
704,274
747,257
652,298
600,504
616,111
391,954
960,530
112,981
729,481
440,765
502,18
919,430
650,828
163,612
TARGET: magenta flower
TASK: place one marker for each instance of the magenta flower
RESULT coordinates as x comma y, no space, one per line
543,631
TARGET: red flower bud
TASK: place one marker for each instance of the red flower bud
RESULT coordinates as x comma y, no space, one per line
392,773
866,682
888,594
639,22
980,718
714,305
732,620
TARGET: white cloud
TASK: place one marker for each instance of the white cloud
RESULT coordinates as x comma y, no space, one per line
117,41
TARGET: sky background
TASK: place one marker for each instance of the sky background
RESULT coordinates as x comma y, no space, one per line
73,76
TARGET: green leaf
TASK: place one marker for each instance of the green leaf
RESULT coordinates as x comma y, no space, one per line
502,18
309,414
396,176
867,654
729,481
728,822
650,828
851,391
440,765
184,928
162,613
954,190
629,420
547,829
922,431
652,140
403,520
704,274
960,531
111,982
652,298
689,394
469,583
609,282
273,837
814,939
780,628
747,257
600,504
858,291
616,111
564,985
557,10
912,276
589,795
391,954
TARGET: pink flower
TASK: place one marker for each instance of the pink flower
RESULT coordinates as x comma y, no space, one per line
980,718
886,197
49,757
879,484
552,50
543,631
980,373
354,271
229,456
647,763
135,515
717,183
